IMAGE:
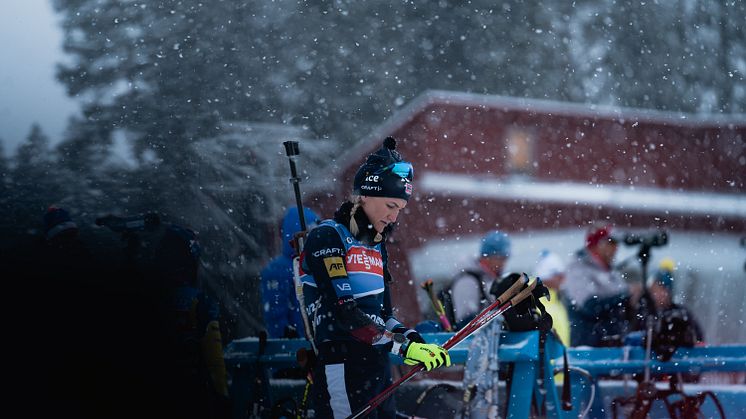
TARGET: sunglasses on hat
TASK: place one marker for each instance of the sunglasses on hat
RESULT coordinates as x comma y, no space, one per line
402,169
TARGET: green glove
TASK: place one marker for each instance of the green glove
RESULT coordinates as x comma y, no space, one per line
432,356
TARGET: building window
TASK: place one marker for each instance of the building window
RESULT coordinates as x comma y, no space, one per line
520,145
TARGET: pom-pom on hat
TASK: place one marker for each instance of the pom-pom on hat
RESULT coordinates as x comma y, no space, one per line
56,221
385,174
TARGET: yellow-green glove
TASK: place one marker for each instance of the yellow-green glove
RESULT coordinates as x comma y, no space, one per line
432,356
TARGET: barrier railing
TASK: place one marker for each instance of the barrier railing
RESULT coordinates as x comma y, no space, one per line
520,348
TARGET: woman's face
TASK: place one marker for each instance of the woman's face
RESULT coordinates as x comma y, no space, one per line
606,249
382,211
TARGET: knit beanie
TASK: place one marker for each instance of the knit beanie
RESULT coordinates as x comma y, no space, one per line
385,174
495,243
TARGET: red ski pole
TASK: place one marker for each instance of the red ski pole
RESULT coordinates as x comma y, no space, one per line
481,320
487,314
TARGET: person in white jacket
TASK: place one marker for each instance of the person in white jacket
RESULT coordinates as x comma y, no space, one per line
598,299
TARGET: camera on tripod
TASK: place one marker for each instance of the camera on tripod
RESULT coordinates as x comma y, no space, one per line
654,239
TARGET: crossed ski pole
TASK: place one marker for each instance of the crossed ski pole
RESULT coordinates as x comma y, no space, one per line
510,298
437,305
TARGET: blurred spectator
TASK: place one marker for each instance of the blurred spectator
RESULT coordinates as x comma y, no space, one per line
58,225
191,326
596,297
468,292
281,313
551,270
675,324
660,285
61,251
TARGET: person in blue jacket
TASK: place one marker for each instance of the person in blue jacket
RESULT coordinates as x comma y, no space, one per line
279,303
346,284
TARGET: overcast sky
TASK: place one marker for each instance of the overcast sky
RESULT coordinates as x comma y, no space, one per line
30,46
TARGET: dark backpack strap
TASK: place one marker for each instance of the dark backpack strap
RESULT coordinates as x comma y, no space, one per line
545,326
540,378
545,319
446,296
479,277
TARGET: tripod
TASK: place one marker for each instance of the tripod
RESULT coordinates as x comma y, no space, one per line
678,404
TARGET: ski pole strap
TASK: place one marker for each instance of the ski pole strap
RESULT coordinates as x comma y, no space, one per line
566,396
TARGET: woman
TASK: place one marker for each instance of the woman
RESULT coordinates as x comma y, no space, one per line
346,287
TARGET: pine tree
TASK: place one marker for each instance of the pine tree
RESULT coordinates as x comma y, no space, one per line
676,56
33,156
34,185
4,178
170,76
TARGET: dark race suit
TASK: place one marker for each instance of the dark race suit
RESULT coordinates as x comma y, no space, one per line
346,289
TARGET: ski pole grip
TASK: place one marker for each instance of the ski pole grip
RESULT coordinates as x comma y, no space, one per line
510,292
291,148
523,294
427,285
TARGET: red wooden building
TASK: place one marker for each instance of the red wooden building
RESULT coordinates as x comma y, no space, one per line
531,166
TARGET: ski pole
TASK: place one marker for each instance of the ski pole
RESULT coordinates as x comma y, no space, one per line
503,298
482,319
260,380
292,150
306,360
437,305
477,323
